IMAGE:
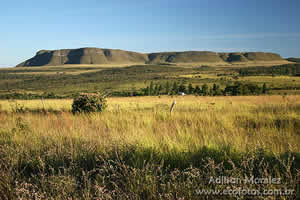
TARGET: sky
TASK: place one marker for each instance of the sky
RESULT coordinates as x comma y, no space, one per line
27,26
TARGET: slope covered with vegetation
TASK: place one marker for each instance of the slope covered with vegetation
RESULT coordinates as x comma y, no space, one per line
113,56
67,81
84,56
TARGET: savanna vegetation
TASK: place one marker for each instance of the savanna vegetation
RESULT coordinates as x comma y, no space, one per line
287,70
71,80
54,146
137,149
175,88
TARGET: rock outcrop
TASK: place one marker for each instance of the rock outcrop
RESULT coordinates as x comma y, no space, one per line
113,56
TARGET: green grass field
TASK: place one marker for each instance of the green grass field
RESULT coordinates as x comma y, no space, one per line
66,81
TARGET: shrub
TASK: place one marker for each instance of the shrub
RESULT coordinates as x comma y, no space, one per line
17,107
86,103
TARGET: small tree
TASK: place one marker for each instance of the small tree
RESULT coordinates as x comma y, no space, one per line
167,87
160,89
190,89
86,103
155,90
182,88
147,91
197,90
151,88
216,90
264,88
205,89
175,88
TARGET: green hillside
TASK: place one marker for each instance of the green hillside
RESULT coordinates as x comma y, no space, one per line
66,81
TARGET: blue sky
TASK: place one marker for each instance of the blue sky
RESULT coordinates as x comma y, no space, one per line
27,26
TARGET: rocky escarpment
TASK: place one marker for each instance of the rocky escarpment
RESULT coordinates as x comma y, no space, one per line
113,56
84,56
297,60
250,56
184,57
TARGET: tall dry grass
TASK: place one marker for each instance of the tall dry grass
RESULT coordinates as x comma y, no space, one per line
136,148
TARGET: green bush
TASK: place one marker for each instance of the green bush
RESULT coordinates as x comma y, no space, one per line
86,103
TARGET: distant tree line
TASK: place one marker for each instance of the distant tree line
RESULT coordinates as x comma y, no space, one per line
165,88
174,88
288,69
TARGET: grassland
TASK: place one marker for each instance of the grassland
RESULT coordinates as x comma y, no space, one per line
136,149
69,80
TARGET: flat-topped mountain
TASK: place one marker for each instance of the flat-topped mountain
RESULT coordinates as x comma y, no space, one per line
115,56
84,56
297,60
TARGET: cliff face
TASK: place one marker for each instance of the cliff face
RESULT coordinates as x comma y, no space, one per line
111,56
185,57
250,56
84,56
297,60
